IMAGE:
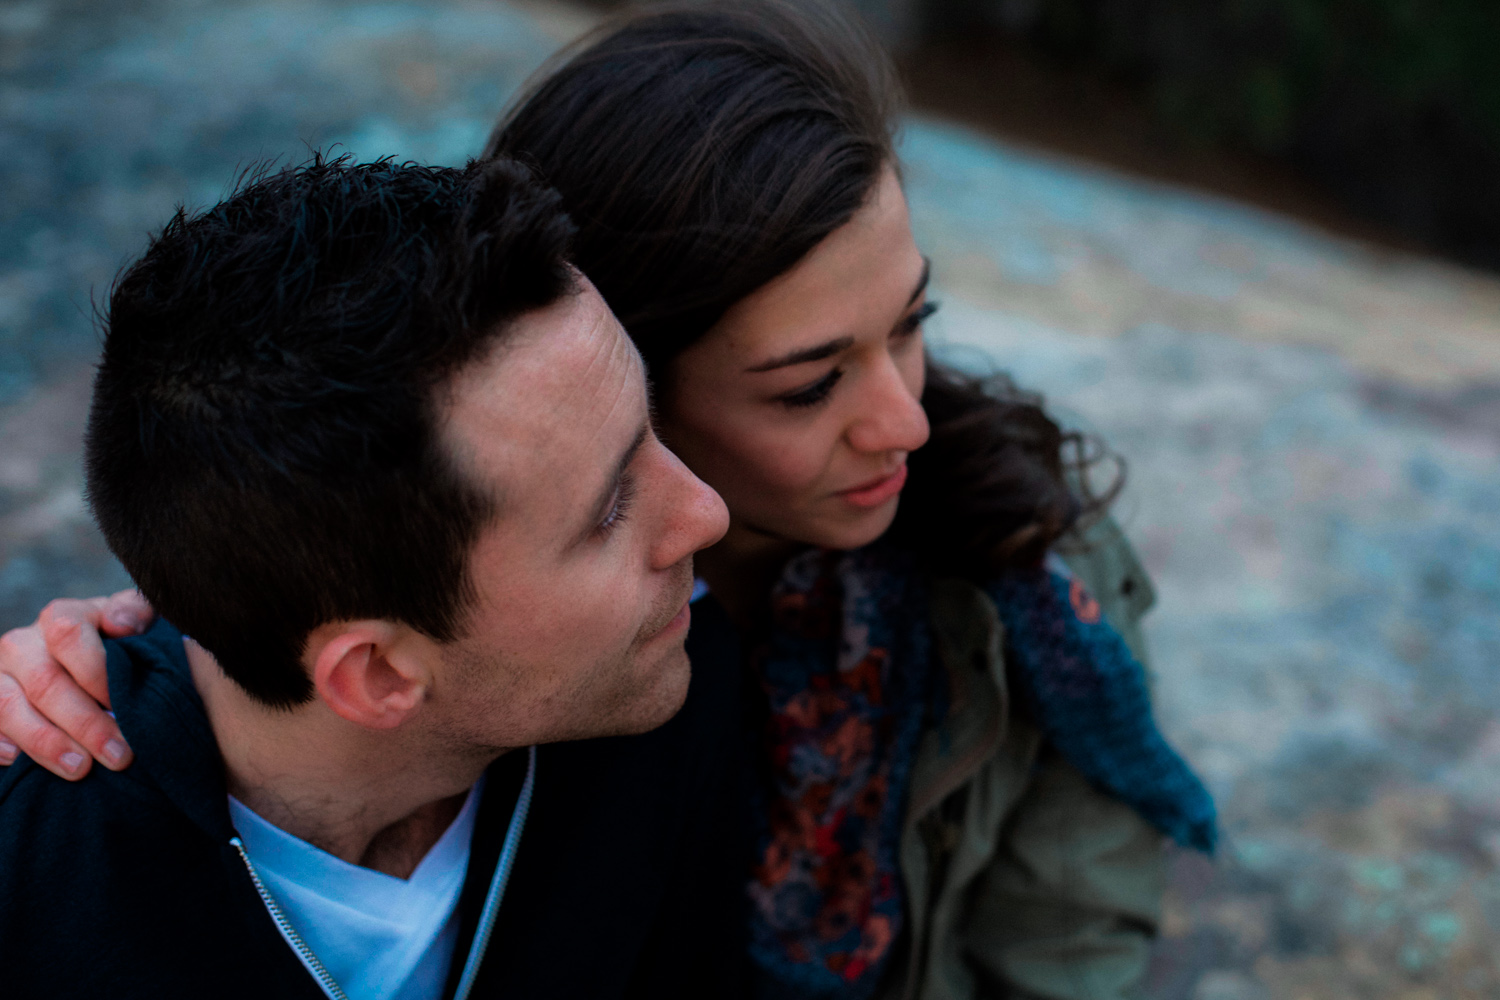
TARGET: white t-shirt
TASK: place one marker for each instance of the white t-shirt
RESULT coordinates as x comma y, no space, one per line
379,937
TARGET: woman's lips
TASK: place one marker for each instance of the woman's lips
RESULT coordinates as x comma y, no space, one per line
875,493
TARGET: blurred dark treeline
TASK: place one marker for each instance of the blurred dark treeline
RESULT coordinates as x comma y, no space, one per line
1391,106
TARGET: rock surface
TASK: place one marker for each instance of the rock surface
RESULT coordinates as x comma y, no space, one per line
1312,434
1312,430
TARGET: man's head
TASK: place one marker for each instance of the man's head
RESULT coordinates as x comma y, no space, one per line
357,431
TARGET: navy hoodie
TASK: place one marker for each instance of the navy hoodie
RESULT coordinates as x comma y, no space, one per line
627,883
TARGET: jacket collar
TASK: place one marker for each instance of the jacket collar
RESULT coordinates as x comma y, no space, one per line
164,721
966,636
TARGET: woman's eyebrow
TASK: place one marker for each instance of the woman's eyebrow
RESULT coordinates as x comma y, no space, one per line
806,354
832,347
922,281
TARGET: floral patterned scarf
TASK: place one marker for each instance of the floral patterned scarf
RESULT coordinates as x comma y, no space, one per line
846,678
849,687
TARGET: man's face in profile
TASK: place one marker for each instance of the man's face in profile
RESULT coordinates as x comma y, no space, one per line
584,574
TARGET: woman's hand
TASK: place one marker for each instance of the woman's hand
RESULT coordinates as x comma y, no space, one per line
53,684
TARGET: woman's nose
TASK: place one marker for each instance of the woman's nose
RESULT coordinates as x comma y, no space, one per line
890,416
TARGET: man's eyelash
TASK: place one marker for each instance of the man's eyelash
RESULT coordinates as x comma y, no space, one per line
620,509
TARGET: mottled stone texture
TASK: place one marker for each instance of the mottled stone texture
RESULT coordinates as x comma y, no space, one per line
1312,434
1312,431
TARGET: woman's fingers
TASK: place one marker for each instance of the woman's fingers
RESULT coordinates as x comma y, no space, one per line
72,700
52,683
126,613
71,630
21,724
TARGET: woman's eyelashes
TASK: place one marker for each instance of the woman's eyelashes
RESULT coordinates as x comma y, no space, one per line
919,316
814,394
620,508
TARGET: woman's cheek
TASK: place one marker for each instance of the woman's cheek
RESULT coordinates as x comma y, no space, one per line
912,363
793,461
756,457
916,376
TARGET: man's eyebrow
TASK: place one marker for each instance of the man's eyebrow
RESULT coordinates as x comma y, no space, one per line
832,347
612,485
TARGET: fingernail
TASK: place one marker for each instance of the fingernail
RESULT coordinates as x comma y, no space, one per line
8,752
71,761
115,752
125,619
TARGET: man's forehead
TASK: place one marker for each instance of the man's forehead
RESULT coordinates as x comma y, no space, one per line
580,359
554,402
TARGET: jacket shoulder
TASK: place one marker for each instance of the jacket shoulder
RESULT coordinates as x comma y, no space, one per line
1108,564
1102,557
37,807
13,776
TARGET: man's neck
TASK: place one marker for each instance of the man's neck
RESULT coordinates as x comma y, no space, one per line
371,799
399,848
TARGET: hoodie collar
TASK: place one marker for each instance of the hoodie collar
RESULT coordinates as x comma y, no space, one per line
164,721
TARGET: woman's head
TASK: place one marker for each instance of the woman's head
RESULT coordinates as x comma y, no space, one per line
705,149
802,403
730,168
732,172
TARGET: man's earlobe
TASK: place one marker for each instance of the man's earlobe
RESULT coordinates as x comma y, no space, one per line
363,673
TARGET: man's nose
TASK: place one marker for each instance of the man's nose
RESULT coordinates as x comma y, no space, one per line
890,417
695,515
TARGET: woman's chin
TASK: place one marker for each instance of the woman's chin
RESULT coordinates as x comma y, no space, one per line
859,530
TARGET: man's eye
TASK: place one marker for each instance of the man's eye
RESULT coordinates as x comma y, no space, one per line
620,509
815,393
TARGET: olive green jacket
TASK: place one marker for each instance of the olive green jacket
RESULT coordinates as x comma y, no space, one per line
1022,880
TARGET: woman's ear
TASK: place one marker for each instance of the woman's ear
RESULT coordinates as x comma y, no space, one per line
367,672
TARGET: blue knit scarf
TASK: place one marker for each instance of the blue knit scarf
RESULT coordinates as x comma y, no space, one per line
849,686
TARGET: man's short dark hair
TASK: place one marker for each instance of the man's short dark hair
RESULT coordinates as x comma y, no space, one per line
263,449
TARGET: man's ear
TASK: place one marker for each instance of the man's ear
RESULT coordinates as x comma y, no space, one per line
368,672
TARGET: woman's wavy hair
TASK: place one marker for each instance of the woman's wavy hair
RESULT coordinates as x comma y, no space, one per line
705,148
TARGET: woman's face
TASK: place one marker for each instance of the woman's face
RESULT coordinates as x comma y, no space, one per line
801,405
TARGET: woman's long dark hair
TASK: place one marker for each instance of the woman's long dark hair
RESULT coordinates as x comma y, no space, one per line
703,149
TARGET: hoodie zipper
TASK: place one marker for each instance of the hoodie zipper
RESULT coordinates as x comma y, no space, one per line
324,977
498,882
486,918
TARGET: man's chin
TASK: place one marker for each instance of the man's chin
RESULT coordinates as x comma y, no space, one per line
653,695
662,698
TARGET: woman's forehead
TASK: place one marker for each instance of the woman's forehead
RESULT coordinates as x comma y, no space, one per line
863,273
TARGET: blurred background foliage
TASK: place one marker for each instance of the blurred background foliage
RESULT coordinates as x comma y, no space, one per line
1392,106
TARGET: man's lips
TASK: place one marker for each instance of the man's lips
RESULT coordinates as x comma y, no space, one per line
678,625
876,491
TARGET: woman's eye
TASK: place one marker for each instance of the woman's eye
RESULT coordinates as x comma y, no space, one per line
815,393
919,316
620,509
